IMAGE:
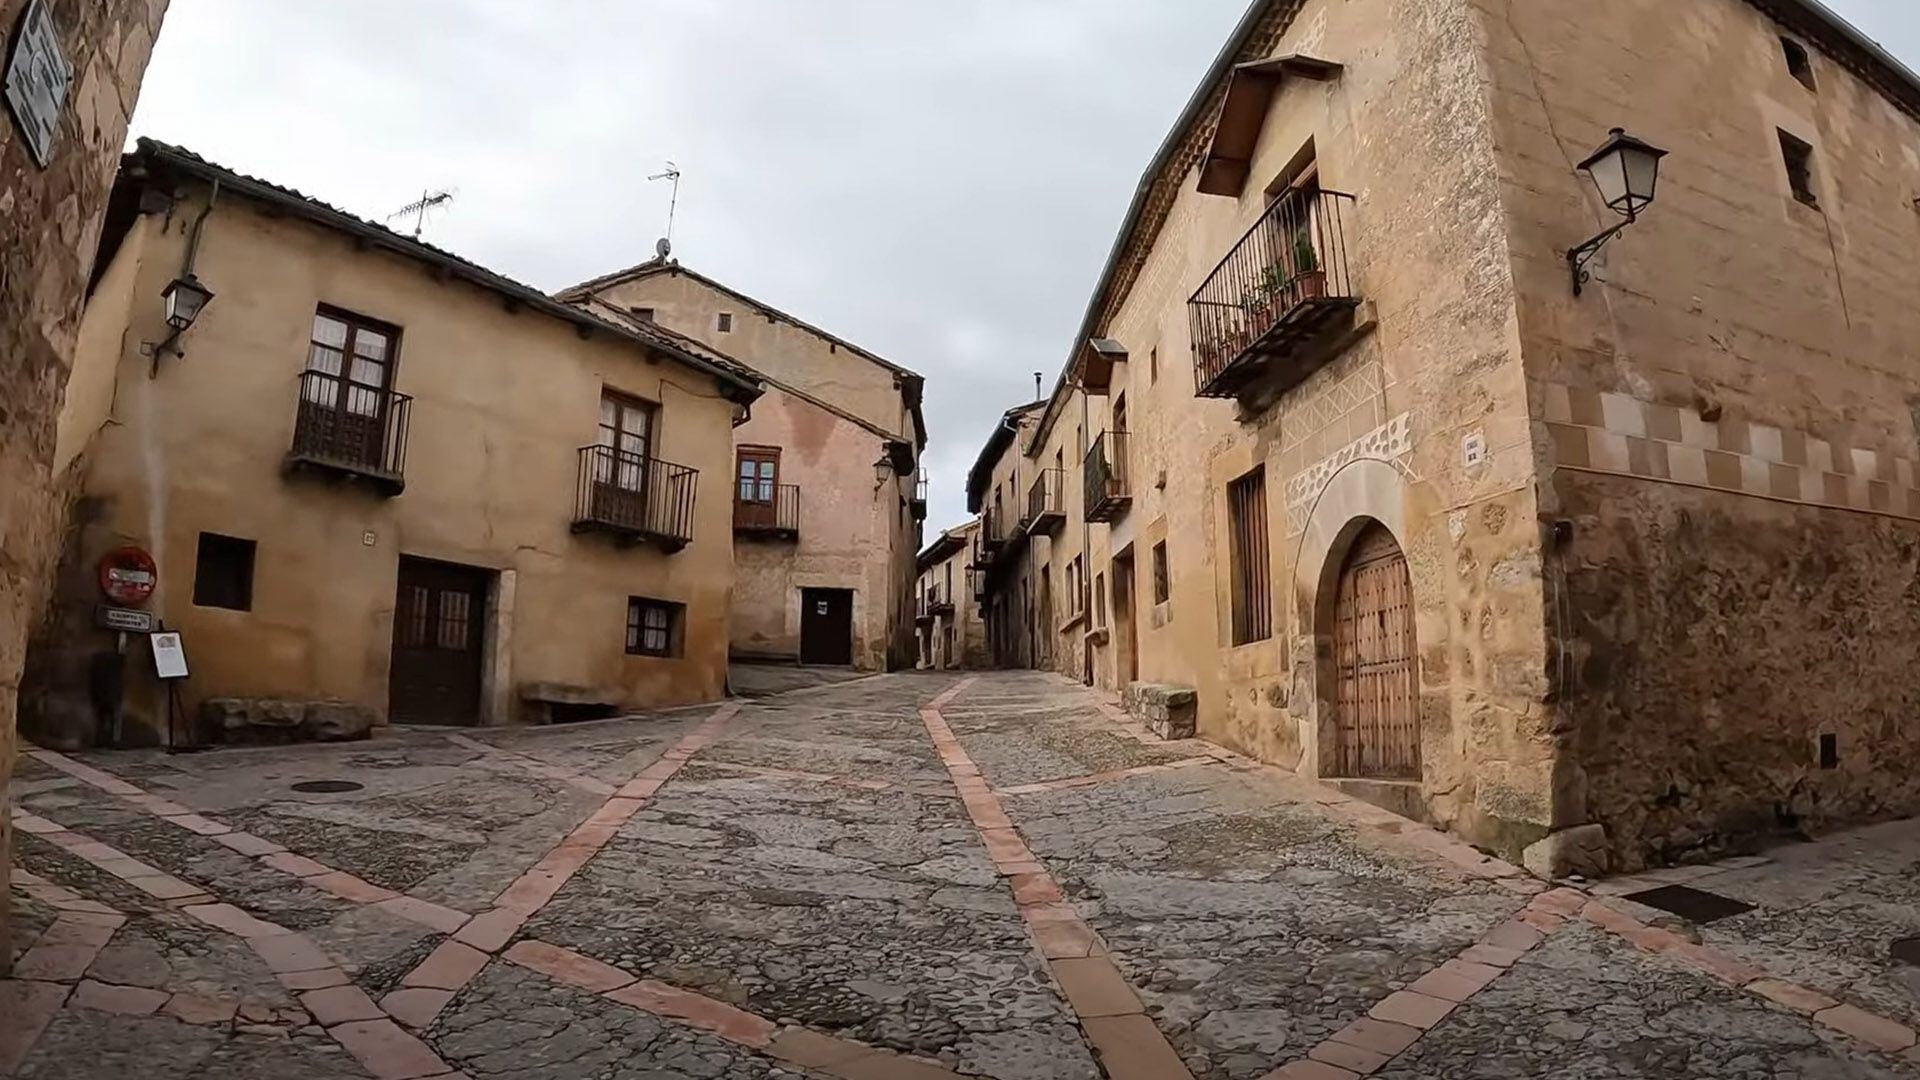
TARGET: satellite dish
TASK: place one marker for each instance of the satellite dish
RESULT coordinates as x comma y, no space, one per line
663,247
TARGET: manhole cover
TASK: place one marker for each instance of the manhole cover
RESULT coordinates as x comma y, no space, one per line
1693,905
327,787
1906,950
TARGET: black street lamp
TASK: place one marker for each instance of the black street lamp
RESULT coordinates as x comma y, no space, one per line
1627,173
185,298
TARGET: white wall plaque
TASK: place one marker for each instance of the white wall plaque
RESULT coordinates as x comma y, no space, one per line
38,77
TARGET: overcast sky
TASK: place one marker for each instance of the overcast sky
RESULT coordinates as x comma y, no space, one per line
936,180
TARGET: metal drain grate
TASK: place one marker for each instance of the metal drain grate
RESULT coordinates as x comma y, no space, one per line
327,787
1691,904
1906,950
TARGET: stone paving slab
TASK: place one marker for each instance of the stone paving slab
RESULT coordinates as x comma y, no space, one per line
999,892
1586,1004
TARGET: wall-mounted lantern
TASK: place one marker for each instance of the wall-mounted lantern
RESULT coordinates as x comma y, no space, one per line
1627,173
185,298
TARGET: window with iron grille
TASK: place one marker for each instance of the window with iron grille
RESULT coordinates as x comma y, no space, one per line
1162,584
724,323
1251,581
1798,156
223,573
653,627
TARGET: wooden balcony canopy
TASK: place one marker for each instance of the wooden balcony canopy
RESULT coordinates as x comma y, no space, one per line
1096,361
1243,113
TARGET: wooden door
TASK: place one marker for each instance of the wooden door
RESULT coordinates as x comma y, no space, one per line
439,628
1128,653
826,626
621,467
1378,663
345,395
756,487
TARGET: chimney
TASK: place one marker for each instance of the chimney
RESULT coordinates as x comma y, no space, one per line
1036,385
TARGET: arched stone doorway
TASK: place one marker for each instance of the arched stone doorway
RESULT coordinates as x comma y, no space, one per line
1376,666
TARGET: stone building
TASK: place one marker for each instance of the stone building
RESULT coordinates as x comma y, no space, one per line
1601,576
1008,579
375,474
56,162
829,498
946,603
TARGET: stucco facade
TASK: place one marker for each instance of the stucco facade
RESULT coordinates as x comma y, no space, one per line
951,633
50,217
502,475
839,528
1654,540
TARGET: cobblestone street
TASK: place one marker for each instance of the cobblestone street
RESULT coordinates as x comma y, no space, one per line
911,876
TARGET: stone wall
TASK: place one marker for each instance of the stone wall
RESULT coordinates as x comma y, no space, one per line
1724,417
51,221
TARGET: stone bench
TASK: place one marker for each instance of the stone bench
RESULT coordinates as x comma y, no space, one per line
276,722
1167,711
559,703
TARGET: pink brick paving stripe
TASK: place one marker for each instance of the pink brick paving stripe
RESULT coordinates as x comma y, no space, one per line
150,880
800,1047
303,967
269,854
457,961
1129,1045
1400,1019
1091,779
530,764
1875,1030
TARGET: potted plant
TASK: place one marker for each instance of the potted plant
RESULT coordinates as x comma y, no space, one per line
1309,281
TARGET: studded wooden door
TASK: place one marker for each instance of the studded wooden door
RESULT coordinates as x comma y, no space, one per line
1377,657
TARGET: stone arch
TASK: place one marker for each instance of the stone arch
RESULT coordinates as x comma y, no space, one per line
1363,493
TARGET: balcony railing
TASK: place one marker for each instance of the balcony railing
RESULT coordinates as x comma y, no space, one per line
352,430
977,583
1109,482
635,498
766,510
1284,285
1046,502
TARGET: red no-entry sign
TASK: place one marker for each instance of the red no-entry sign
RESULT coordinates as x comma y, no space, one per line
127,576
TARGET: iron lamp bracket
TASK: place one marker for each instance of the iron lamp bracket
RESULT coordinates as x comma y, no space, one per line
1579,257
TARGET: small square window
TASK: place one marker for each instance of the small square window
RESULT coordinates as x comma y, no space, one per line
654,627
223,573
1798,155
725,322
1162,584
1799,62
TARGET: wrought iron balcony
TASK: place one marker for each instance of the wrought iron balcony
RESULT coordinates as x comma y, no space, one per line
977,582
638,499
353,431
1046,502
766,510
1109,482
1283,289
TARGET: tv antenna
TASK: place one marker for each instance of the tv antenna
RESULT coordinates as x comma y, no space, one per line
428,200
673,204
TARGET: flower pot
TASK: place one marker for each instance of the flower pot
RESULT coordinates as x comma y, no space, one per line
1311,285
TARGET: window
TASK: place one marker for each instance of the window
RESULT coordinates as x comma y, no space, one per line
349,365
1162,584
759,474
1153,364
653,627
223,573
1798,155
1799,63
724,323
1099,599
626,441
1120,414
642,314
1252,596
